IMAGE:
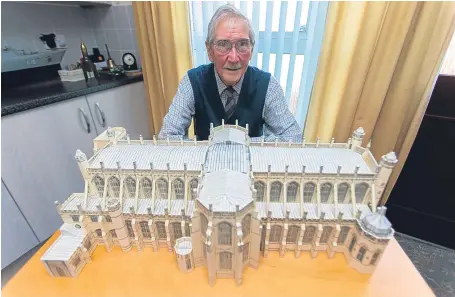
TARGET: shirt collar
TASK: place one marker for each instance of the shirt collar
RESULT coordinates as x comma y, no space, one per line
221,86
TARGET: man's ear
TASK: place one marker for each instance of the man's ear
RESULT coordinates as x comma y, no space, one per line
209,51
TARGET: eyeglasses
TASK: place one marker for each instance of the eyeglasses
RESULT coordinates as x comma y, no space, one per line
224,46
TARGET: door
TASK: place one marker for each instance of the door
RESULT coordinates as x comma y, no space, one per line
38,165
17,236
263,234
125,106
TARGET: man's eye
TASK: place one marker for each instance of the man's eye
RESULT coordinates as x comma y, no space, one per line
243,43
223,43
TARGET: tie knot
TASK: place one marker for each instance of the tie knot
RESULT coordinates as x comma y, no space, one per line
230,90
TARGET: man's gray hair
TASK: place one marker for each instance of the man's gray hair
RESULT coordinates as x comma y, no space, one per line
223,12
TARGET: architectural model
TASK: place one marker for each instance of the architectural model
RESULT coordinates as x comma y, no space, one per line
225,202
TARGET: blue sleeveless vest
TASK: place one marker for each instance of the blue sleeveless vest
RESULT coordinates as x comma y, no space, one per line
210,109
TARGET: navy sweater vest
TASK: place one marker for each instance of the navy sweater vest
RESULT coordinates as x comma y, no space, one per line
210,109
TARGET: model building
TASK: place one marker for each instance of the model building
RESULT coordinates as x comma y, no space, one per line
225,202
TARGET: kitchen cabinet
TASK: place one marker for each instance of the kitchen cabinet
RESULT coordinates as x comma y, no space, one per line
38,165
17,236
125,106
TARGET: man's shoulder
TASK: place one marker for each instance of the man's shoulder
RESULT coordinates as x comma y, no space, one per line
202,69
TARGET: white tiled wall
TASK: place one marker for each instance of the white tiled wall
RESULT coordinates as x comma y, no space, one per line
115,27
23,24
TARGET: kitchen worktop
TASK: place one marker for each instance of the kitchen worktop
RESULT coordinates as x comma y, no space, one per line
43,93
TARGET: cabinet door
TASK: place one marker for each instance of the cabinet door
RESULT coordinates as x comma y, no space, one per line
17,237
125,106
38,165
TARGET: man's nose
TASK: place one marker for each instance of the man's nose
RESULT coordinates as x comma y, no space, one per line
233,56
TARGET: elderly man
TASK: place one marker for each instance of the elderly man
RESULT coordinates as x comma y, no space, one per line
229,89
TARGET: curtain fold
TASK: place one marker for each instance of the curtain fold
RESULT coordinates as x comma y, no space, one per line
378,65
164,41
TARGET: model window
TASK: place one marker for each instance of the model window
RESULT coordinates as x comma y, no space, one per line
352,244
161,228
326,232
177,229
145,229
224,234
146,186
177,188
374,259
193,188
188,262
225,261
246,223
60,271
187,229
113,233
88,244
161,188
260,190
76,261
204,224
246,249
275,192
360,191
99,184
326,189
75,218
130,187
343,235
130,228
114,187
309,234
308,192
98,233
293,234
94,219
108,218
293,189
361,254
342,191
275,234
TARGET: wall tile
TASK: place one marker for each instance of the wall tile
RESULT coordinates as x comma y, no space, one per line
120,17
130,15
106,18
125,40
112,39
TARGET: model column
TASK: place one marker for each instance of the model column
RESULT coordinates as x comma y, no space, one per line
118,222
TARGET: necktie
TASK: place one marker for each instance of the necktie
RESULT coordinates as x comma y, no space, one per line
229,108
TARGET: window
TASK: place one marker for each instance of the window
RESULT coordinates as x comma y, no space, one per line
326,189
293,234
275,234
187,229
360,191
308,192
76,261
326,232
177,188
224,233
374,259
293,189
361,254
75,218
188,262
88,244
130,187
260,190
309,234
246,225
343,234
204,224
177,230
113,233
161,189
145,229
99,184
275,191
98,233
161,228
108,218
225,261
146,186
94,219
246,250
342,191
60,271
352,244
129,226
113,187
193,188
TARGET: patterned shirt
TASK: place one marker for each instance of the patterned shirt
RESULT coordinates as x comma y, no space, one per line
279,122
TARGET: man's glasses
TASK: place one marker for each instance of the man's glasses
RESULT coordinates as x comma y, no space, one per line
224,46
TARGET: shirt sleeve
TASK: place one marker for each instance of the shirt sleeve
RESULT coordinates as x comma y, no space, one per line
178,119
279,121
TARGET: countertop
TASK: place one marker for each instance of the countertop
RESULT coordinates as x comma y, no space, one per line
44,93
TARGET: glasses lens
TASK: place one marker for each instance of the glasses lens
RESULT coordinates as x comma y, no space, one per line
223,46
243,46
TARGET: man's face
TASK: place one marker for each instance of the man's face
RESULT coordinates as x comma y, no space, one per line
230,65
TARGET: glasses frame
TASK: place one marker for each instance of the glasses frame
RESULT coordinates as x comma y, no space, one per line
232,44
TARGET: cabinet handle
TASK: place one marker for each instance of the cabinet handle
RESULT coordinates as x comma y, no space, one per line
103,116
87,122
